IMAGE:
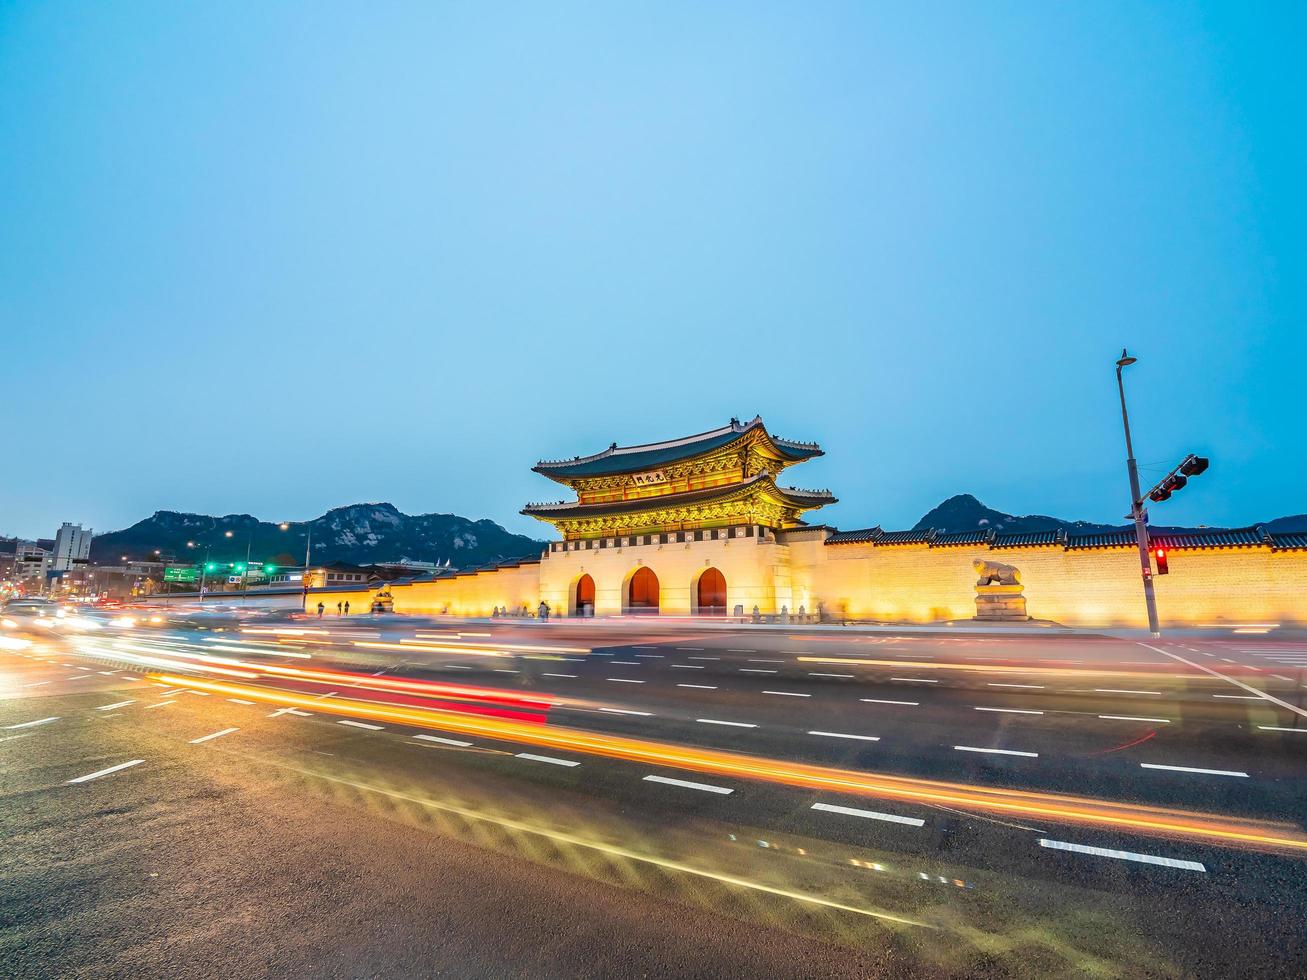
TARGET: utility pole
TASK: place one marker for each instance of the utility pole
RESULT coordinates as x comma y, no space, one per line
1136,503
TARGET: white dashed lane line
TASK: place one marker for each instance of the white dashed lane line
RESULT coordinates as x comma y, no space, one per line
206,738
1112,690
703,658
32,724
361,724
1013,711
689,648
116,704
568,676
701,687
1276,728
625,711
861,738
626,663
732,724
1108,852
849,811
443,741
1201,772
915,680
973,748
1036,687
686,784
813,673
910,704
755,670
787,694
686,667
624,680
239,701
547,758
1160,721
159,704
1239,697
105,772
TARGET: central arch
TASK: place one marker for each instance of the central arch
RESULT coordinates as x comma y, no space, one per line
642,592
710,593
583,596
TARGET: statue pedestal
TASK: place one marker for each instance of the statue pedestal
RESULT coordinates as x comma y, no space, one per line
1000,603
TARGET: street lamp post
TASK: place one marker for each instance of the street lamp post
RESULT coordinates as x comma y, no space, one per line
1136,503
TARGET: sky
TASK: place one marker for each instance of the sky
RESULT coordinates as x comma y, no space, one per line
272,258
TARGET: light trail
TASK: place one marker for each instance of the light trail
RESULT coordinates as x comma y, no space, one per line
988,668
1028,803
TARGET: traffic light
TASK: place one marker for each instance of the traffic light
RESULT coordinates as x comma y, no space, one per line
210,566
269,569
1159,555
1178,479
239,566
1194,465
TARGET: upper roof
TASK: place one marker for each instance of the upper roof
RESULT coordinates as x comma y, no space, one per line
632,459
794,496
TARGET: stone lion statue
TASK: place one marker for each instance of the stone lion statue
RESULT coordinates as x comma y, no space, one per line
995,573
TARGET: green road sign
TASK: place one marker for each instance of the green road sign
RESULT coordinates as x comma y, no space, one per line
179,575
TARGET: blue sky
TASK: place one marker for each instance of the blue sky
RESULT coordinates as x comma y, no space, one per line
273,258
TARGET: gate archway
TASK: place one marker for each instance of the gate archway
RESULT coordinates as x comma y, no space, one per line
710,593
583,596
642,592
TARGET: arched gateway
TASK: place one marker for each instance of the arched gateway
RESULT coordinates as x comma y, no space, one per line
710,592
642,592
583,599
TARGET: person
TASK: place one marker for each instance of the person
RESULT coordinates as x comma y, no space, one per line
320,608
338,608
346,607
543,612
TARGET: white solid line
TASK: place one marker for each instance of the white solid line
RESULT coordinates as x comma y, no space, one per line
813,673
1160,721
915,680
686,784
972,748
1277,728
912,704
701,687
787,694
1204,772
361,724
205,738
158,704
1112,690
624,680
30,724
1107,852
624,711
864,738
869,814
996,684
116,704
733,724
239,701
1216,673
547,758
569,676
443,741
1013,711
104,772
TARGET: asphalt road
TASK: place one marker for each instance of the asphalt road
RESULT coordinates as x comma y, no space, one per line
568,799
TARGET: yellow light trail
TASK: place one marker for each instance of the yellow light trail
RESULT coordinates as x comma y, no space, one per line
1027,803
985,668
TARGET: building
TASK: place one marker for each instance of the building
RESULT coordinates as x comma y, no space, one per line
72,547
702,526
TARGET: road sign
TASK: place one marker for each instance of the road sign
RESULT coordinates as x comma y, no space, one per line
179,575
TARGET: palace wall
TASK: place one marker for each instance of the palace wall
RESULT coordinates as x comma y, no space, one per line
471,595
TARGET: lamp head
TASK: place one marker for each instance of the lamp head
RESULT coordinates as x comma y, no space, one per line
1125,360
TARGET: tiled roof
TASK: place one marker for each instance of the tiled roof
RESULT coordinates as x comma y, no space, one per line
1100,539
570,508
1289,541
920,536
1242,537
632,459
862,536
962,537
1029,539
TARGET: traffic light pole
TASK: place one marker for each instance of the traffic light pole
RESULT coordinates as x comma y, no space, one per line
1137,513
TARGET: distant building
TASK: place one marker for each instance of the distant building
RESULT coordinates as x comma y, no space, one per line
72,547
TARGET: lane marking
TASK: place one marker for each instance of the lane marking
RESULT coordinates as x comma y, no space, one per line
686,784
849,811
1160,721
205,738
739,650
703,658
624,711
361,724
972,748
32,724
911,704
689,648
105,772
568,676
686,667
547,758
1237,683
1277,728
915,680
443,741
626,663
864,738
624,680
997,684
787,694
733,724
813,673
116,704
239,701
650,656
1013,711
762,660
37,684
701,687
1240,697
1108,852
1203,772
755,670
159,704
1113,690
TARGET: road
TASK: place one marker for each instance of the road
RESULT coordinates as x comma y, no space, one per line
216,796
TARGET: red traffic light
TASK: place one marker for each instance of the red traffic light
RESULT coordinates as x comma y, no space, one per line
1159,555
1160,494
1194,465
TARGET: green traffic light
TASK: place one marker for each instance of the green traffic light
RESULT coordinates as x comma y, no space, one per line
210,566
239,566
269,568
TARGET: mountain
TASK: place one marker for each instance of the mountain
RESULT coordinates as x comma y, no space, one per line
360,533
965,513
1286,525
